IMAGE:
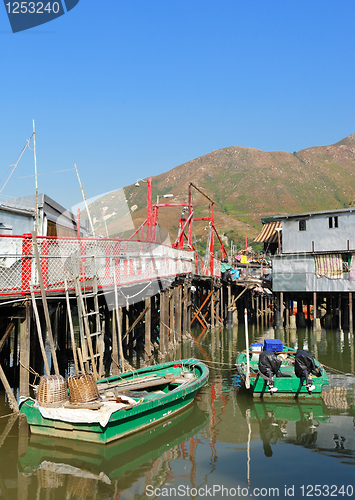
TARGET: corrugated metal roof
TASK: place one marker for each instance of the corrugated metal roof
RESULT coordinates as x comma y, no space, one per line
268,233
336,211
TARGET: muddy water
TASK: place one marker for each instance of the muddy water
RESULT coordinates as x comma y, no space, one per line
224,446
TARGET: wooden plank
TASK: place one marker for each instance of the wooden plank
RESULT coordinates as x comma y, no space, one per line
133,386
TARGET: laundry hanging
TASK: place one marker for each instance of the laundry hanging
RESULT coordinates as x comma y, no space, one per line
330,266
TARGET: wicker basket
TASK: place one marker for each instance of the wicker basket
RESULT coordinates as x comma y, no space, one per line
82,388
52,391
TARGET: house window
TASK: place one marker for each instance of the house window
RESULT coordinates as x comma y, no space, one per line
332,222
302,225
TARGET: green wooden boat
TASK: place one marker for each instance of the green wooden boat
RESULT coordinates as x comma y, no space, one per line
157,392
126,459
286,384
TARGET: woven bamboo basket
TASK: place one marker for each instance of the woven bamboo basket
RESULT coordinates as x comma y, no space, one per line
82,388
52,391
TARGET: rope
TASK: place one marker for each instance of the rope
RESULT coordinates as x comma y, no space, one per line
338,371
32,371
231,366
127,297
219,348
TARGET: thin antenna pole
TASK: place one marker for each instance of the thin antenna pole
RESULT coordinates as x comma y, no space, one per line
15,164
86,205
36,183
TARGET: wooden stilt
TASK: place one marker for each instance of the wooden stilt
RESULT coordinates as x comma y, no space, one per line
25,352
351,326
281,309
162,335
188,309
222,304
212,305
178,313
287,312
119,330
115,366
171,314
147,334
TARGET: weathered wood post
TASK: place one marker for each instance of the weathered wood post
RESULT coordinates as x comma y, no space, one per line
316,320
340,313
351,326
178,312
115,365
172,316
185,318
25,329
147,333
162,328
287,312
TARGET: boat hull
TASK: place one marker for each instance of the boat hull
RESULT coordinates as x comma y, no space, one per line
125,421
288,385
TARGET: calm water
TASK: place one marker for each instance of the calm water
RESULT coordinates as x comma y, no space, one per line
225,443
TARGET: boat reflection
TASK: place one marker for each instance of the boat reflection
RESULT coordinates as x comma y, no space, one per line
82,468
323,428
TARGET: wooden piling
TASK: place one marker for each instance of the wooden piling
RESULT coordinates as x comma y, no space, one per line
147,335
178,312
115,366
351,326
25,328
162,335
171,317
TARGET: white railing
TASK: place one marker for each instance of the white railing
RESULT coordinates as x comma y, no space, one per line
63,258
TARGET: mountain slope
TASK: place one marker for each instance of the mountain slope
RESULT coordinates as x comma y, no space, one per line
245,184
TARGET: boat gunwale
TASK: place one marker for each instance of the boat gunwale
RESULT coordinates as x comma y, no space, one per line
174,398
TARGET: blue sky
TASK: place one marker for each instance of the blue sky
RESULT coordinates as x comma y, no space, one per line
130,89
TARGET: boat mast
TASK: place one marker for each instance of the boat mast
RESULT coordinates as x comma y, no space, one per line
36,183
86,205
247,380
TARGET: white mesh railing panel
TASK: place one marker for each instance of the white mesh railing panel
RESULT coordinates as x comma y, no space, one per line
63,258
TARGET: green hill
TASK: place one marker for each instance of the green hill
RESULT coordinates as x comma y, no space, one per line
246,184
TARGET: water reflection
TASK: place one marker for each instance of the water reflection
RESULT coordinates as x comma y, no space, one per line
79,468
225,438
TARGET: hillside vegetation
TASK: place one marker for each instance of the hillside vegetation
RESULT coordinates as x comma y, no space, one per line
246,184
